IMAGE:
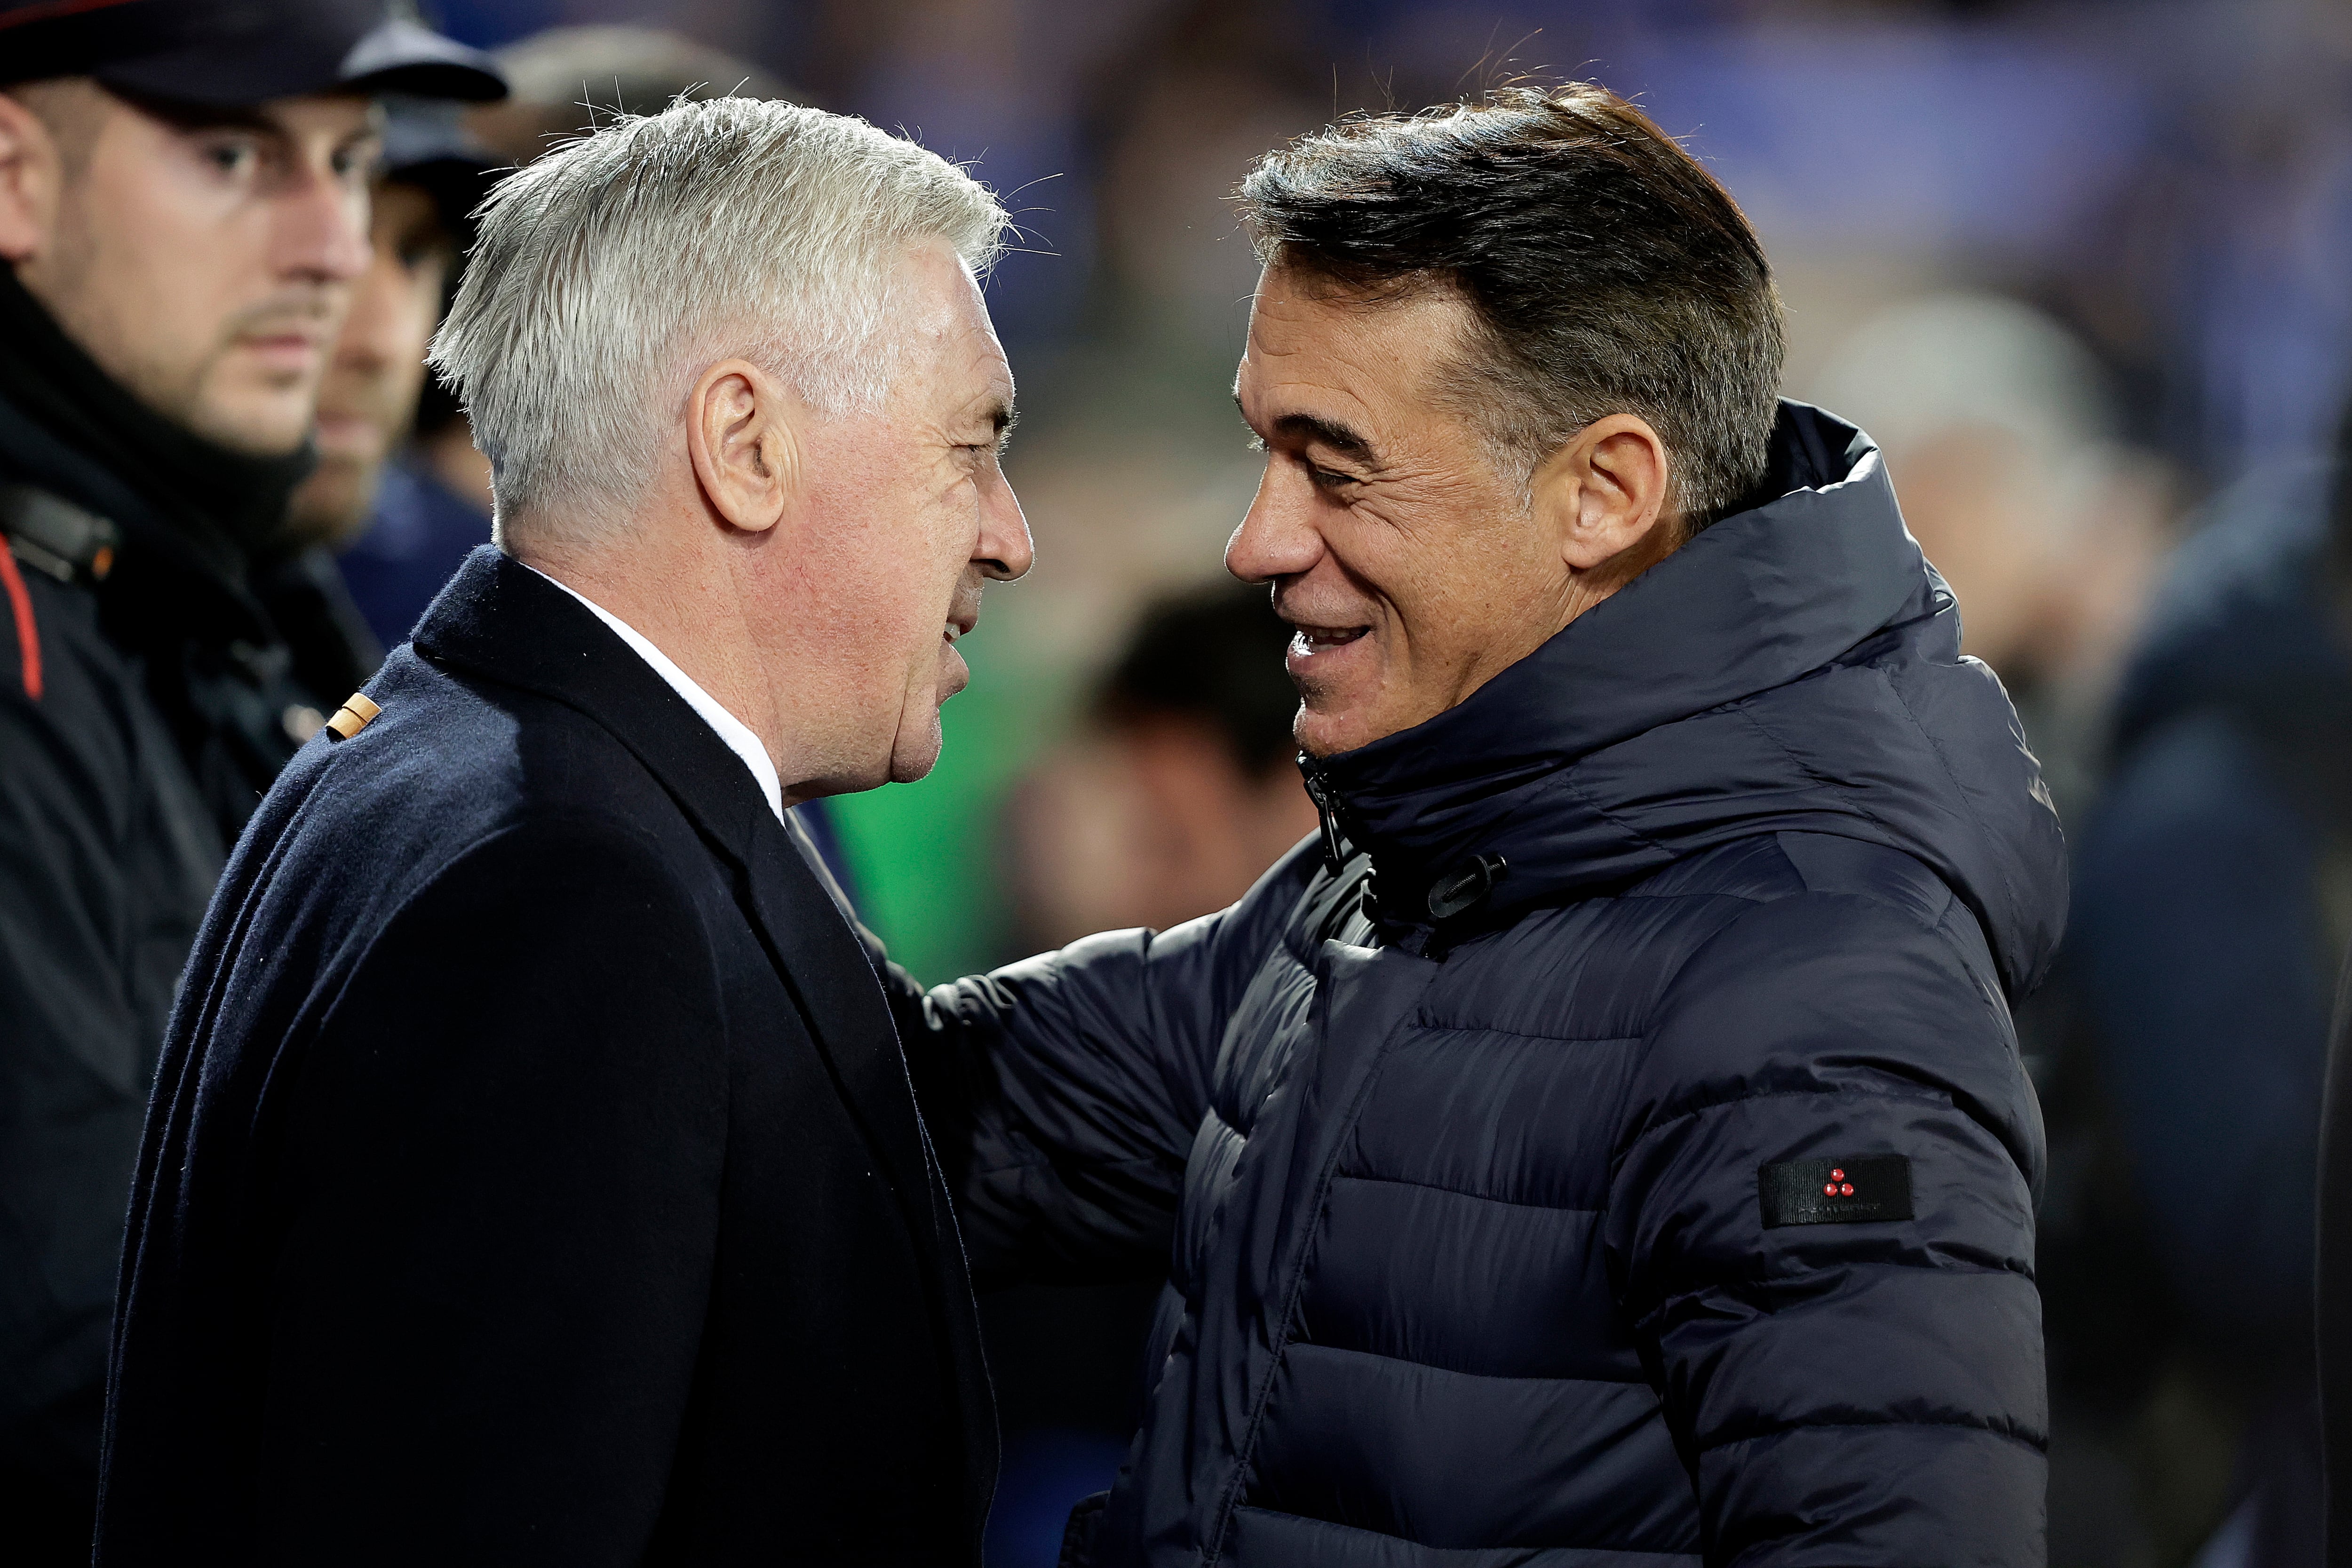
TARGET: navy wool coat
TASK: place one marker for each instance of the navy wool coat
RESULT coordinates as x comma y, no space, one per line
1489,1238
532,1174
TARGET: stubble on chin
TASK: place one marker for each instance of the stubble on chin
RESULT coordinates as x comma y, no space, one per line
912,757
1322,715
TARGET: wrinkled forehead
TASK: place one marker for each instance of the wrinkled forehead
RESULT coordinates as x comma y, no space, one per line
1373,346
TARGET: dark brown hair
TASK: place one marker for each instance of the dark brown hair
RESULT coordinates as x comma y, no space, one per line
1606,271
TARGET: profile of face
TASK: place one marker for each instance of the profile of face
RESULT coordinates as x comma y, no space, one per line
367,396
1412,565
203,258
870,534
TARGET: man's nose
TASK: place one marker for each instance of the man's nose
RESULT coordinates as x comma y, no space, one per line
377,330
322,228
1005,551
1276,539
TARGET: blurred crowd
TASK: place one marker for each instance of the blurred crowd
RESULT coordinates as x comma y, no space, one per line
2079,269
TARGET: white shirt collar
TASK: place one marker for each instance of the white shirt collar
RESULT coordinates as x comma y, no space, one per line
733,731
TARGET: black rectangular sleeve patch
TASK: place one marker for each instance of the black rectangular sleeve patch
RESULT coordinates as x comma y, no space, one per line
1835,1191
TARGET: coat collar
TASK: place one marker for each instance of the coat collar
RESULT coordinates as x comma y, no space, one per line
499,619
1691,709
1752,603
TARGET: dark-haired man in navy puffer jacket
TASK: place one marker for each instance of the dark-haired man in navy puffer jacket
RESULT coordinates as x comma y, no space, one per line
1608,1144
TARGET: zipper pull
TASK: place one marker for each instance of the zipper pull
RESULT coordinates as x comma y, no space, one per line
1328,816
1466,888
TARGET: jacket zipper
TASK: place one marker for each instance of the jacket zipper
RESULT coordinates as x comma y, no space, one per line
1326,813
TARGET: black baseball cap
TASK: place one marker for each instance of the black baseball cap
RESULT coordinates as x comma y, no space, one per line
426,144
231,53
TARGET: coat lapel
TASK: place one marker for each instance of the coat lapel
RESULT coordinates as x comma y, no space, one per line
832,975
500,619
834,982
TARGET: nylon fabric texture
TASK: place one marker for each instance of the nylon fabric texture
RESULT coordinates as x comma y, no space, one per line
1460,1224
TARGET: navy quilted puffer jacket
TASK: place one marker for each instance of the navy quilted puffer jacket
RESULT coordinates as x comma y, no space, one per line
1470,1263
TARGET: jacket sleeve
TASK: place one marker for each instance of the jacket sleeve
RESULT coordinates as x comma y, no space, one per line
502,1167
1863,1392
1064,1093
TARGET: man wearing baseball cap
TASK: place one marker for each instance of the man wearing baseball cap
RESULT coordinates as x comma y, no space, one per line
184,213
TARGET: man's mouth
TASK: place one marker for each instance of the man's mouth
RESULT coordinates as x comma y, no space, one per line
285,351
1306,641
346,435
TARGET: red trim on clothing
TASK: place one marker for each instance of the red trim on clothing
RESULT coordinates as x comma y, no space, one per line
28,635
54,9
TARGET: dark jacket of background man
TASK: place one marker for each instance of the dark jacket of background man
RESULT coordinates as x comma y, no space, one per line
2260,662
673,1278
148,695
161,658
1472,1216
2214,901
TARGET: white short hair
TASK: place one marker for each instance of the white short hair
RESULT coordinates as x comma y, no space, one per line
610,273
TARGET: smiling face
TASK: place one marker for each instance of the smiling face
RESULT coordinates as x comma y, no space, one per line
910,514
1406,560
206,264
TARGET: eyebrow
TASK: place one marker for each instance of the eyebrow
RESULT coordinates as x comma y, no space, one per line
195,118
1001,417
1341,438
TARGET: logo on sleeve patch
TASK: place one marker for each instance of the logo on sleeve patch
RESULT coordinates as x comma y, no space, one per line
1835,1191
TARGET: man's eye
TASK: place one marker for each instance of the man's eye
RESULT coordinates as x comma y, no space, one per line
230,157
1327,479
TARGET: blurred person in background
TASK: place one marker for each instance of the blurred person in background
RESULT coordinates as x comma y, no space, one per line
1607,1135
2003,440
184,211
1182,787
377,498
2215,899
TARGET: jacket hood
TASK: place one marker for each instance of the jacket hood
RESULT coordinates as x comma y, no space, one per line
1796,666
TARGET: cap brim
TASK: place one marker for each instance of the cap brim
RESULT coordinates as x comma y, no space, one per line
403,56
395,56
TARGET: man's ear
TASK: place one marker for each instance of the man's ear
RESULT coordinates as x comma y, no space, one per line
1604,495
31,176
742,432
